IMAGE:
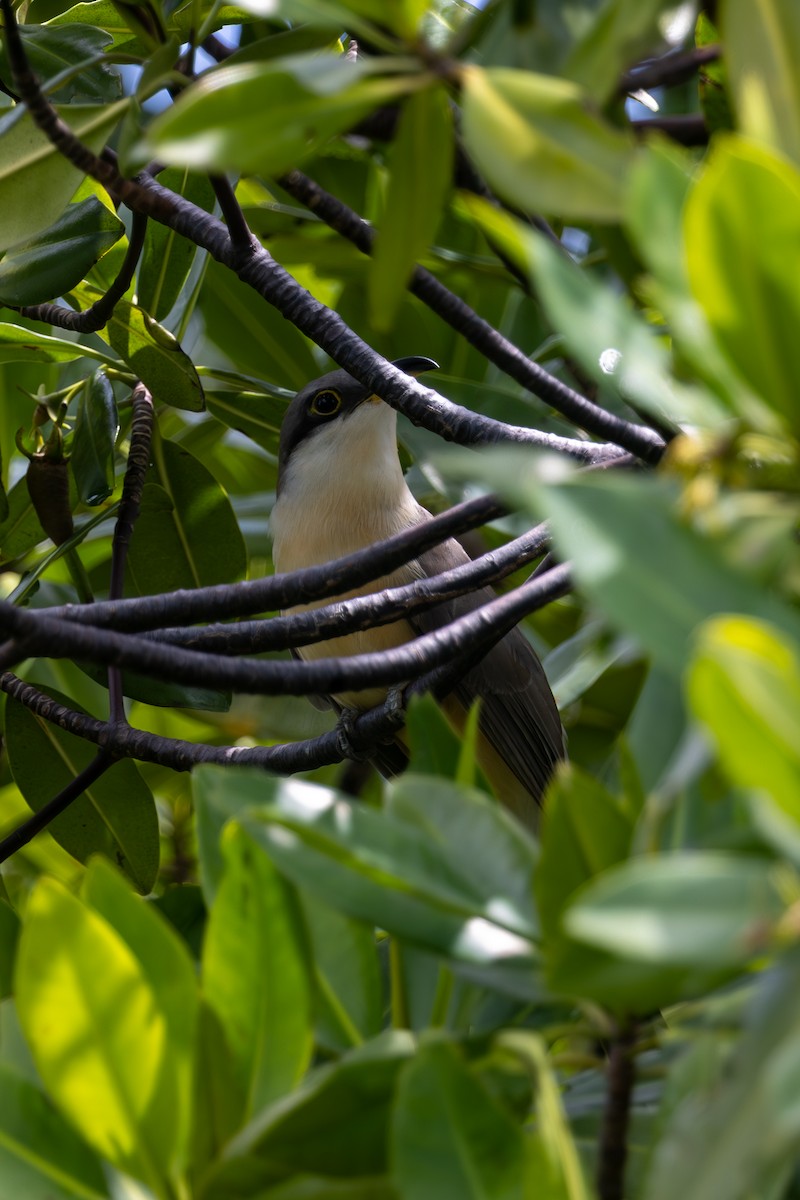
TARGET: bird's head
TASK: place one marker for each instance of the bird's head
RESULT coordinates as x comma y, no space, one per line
342,417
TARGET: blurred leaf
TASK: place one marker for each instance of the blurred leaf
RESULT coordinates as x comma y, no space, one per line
187,534
762,48
151,352
541,147
421,172
170,972
219,123
723,1139
702,910
621,31
19,344
116,814
450,1139
92,449
36,180
41,1157
256,973
167,257
745,284
47,266
744,686
383,870
9,932
96,1029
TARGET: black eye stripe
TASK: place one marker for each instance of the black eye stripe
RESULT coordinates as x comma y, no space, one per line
325,403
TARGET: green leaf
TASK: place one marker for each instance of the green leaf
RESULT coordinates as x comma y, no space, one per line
421,172
540,146
167,257
337,1122
21,530
41,1157
23,345
170,972
160,693
622,33
219,123
47,266
762,49
92,449
602,329
115,816
255,414
67,50
703,910
347,977
36,181
98,1034
744,685
450,1139
584,831
746,285
256,973
151,352
187,534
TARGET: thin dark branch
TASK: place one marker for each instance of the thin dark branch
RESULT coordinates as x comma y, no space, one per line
28,829
368,729
421,405
613,1147
225,601
242,239
35,632
98,314
479,333
360,612
689,129
669,70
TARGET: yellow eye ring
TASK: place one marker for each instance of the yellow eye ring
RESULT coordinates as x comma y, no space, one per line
326,403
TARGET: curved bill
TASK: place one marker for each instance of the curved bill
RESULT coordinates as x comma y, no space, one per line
415,365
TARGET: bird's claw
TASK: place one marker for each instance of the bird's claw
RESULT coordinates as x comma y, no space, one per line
395,706
344,736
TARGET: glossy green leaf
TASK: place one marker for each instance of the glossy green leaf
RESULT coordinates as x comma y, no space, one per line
161,693
255,414
170,972
24,345
337,1123
99,1034
92,449
115,816
450,1138
187,534
167,257
52,51
48,265
703,910
36,181
219,123
151,351
383,870
745,284
256,973
21,530
421,167
41,1157
744,686
762,47
540,146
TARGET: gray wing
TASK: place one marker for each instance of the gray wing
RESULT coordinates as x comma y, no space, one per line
518,715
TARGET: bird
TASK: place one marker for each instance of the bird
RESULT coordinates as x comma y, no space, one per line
340,489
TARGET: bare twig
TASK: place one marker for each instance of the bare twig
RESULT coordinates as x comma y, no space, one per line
613,1147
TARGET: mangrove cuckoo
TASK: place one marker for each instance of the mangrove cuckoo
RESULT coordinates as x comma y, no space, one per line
341,488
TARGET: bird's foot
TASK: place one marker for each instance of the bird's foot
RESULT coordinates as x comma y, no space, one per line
345,731
395,706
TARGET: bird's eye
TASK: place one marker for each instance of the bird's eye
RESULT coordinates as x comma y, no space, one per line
326,403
